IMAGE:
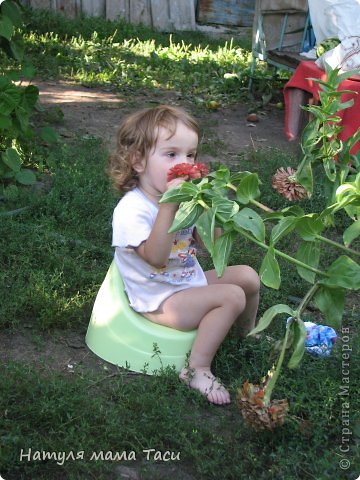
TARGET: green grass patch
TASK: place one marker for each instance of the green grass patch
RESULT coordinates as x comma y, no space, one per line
91,413
132,59
53,258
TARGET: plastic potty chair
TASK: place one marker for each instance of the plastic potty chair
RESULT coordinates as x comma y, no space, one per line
119,335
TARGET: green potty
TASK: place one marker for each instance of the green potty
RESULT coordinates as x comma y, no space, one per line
119,335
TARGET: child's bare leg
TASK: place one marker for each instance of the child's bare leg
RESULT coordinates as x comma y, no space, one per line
246,278
212,310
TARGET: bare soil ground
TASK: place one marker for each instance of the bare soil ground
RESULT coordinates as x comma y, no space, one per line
97,112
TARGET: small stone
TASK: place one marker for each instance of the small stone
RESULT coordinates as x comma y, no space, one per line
252,117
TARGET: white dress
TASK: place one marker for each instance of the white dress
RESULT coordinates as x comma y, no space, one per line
146,286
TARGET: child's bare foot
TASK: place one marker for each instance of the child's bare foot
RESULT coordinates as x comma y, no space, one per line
203,380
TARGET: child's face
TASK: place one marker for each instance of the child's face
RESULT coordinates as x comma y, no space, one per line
168,152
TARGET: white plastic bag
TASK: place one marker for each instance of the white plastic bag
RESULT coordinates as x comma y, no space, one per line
345,56
334,18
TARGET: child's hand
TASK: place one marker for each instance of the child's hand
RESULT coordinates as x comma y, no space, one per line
188,171
176,182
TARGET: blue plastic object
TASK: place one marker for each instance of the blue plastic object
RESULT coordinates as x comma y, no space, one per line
319,339
119,335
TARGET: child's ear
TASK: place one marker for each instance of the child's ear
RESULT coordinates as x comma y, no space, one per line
138,163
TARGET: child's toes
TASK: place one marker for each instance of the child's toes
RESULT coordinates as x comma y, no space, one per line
204,381
219,396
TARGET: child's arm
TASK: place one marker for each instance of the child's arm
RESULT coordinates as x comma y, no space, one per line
156,249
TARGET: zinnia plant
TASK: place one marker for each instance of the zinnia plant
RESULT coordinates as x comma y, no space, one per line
231,201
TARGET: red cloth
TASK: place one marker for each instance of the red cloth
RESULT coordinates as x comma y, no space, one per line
301,80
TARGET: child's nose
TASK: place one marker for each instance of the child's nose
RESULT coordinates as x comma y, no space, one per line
189,159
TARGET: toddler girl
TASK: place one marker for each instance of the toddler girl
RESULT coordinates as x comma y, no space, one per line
162,276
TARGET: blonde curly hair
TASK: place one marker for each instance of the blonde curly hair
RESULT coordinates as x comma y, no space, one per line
137,136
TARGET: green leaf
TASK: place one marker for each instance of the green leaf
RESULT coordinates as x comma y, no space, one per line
248,188
6,27
25,177
224,207
351,233
269,315
205,226
329,167
10,96
28,70
293,211
309,227
304,176
249,220
238,176
309,137
186,216
222,174
344,156
348,193
185,192
222,250
345,75
17,47
344,272
23,118
331,301
220,179
12,10
308,253
49,135
11,158
5,122
30,97
299,332
285,226
345,105
270,271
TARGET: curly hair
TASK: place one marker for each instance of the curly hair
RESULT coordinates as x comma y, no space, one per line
137,136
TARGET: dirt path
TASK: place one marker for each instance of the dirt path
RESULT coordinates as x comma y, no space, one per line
97,112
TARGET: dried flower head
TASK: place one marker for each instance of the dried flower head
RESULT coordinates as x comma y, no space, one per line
256,411
284,182
197,170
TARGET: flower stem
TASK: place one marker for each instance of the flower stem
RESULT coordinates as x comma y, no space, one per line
274,375
284,255
309,294
337,245
266,247
262,206
254,202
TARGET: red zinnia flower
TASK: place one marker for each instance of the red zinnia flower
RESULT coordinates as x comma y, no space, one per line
285,183
197,170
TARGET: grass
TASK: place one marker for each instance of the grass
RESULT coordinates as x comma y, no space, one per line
53,260
132,59
53,257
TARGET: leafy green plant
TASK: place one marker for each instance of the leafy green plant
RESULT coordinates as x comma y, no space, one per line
17,102
208,204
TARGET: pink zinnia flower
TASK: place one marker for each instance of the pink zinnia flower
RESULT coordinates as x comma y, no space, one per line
197,170
284,182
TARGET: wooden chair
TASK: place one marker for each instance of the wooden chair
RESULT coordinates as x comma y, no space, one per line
281,29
